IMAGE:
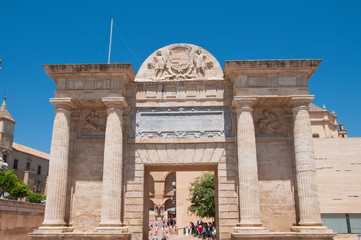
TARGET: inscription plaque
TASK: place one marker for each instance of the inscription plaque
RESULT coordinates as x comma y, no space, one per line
181,122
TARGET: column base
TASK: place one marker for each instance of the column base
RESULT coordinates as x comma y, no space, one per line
111,229
108,233
311,229
249,229
53,229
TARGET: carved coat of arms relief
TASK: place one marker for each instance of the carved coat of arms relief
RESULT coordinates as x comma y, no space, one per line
180,62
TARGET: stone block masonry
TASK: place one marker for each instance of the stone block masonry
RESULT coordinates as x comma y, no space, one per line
17,219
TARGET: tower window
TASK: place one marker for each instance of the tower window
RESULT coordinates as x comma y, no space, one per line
39,169
5,157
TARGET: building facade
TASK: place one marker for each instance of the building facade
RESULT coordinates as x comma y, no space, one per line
249,124
30,165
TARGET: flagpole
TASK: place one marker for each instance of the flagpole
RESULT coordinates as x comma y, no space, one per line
110,41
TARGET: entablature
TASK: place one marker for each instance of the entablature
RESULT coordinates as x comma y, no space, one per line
270,77
90,80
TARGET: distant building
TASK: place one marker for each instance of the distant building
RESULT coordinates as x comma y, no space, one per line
30,165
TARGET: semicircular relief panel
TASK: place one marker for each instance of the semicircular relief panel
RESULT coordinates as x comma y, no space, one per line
180,62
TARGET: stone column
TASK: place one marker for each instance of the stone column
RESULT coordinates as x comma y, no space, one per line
308,202
249,206
58,167
112,171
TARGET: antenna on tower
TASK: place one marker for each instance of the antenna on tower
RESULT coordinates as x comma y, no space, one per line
110,41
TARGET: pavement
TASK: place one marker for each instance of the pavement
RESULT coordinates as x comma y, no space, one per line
179,237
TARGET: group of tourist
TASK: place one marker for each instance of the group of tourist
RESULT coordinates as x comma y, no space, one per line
167,228
202,230
198,229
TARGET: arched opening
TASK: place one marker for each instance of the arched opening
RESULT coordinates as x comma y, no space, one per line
170,207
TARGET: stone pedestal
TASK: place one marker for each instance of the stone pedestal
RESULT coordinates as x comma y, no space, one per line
250,217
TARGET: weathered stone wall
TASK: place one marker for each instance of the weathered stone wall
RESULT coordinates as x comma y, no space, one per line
17,219
86,185
276,183
86,172
135,193
227,194
338,166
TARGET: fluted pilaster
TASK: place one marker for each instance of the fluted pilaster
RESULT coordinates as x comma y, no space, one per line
308,201
58,166
250,219
247,168
112,171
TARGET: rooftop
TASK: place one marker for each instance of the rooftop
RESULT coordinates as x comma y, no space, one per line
31,151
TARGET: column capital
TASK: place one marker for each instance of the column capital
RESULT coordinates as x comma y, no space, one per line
65,103
243,102
114,102
301,101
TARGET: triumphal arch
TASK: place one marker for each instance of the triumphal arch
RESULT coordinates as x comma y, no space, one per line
249,123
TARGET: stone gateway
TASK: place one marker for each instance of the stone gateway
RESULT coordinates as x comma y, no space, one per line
249,123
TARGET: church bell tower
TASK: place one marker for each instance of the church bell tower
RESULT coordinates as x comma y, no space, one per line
7,125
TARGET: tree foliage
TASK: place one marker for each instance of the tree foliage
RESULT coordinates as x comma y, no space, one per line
10,183
36,197
202,196
20,190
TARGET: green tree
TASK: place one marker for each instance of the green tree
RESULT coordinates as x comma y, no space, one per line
20,190
36,197
8,181
202,196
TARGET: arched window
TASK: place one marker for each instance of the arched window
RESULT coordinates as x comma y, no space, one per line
150,182
170,184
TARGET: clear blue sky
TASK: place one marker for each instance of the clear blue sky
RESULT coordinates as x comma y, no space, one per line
33,33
